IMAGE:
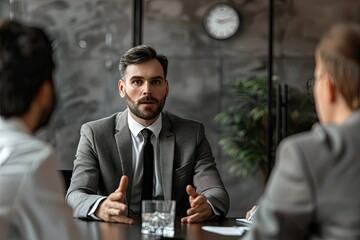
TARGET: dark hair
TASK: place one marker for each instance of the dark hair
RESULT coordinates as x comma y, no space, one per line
139,54
25,63
339,52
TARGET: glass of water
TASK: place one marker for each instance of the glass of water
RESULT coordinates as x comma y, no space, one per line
158,217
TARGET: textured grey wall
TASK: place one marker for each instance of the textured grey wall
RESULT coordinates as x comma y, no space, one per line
90,36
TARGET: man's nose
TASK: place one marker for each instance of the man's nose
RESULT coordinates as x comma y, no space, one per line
147,88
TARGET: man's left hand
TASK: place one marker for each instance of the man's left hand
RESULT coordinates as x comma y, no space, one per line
199,210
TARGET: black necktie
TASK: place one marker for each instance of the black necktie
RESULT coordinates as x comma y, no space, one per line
148,166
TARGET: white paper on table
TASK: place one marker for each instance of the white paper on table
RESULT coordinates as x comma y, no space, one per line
229,231
244,221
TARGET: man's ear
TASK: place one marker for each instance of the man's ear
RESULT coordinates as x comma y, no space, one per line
121,87
167,87
44,93
331,88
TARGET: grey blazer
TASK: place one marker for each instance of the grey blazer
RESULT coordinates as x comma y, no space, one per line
313,191
104,154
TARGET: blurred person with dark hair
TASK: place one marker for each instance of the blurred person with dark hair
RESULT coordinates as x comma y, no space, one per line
31,191
111,151
313,191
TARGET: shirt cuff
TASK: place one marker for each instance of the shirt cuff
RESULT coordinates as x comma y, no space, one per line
216,213
92,211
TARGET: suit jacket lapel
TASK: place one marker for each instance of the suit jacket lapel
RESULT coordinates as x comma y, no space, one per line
167,148
123,141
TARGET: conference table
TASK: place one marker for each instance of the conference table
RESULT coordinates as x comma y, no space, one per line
183,231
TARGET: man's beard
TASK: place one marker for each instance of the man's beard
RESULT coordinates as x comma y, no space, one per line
148,113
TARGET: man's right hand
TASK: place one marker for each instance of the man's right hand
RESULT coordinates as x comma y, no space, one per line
251,212
113,207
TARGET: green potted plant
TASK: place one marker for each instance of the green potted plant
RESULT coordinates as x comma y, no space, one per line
243,123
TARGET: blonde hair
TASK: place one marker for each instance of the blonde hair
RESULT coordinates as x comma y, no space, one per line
339,52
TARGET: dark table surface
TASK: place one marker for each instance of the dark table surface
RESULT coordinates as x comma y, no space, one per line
104,231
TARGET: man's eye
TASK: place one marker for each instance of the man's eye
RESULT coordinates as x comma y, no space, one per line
137,82
156,82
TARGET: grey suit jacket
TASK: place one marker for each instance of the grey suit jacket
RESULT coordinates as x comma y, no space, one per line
104,154
313,191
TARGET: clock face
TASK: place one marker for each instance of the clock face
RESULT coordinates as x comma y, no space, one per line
221,21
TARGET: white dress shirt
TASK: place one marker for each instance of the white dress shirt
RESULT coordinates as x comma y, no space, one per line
32,202
138,143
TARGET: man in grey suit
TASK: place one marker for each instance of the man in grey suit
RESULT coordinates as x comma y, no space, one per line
313,190
110,151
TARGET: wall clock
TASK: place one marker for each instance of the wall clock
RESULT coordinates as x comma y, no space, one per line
221,21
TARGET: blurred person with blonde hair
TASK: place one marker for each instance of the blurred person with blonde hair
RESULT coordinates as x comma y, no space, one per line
313,192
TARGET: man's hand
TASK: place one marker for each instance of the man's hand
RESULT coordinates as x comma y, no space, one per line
251,212
199,210
113,207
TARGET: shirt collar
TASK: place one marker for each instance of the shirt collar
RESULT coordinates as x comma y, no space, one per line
136,127
14,124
